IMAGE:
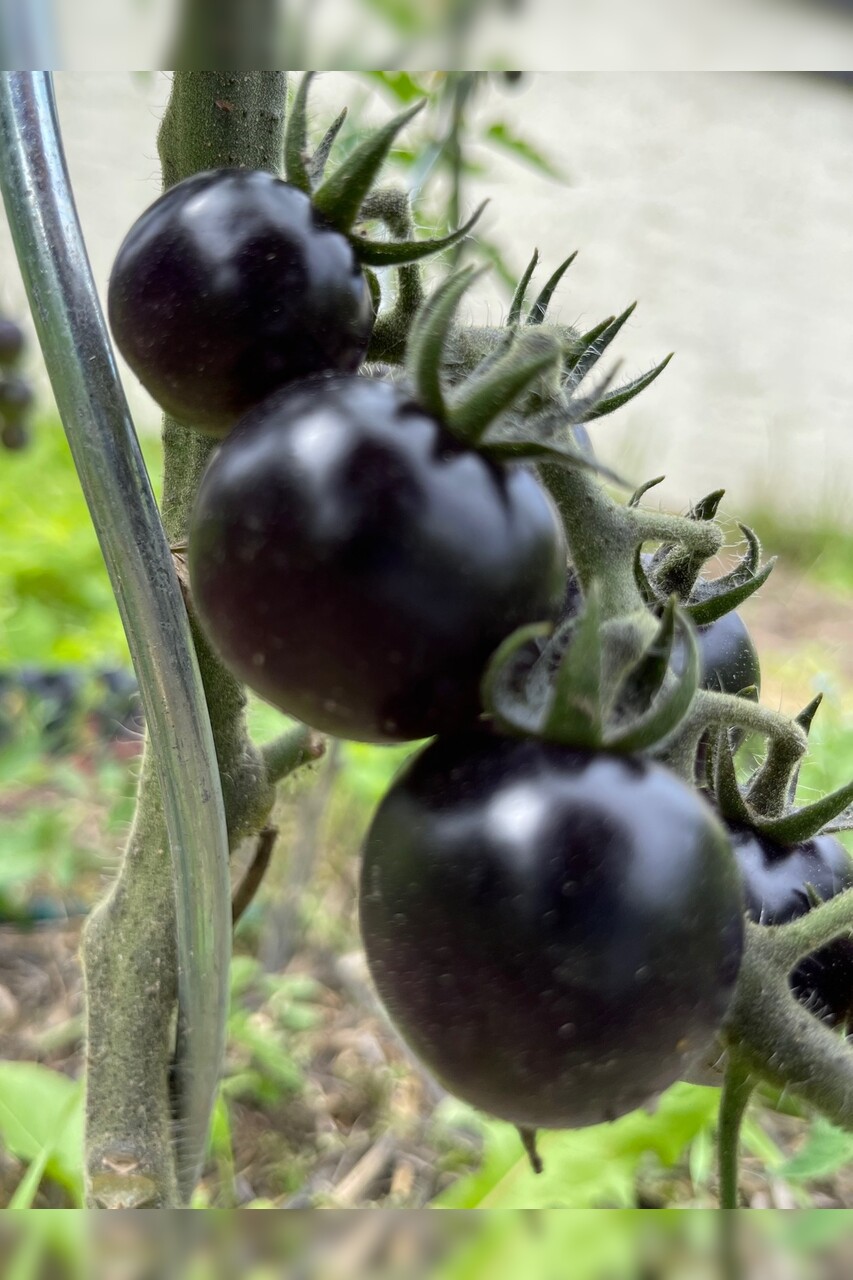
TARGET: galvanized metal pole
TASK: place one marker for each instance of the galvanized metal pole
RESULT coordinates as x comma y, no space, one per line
68,318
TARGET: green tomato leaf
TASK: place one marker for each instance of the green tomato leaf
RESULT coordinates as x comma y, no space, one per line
42,1111
826,1151
502,135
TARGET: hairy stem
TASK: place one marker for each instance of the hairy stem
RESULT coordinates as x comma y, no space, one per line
786,740
737,1089
778,1040
213,119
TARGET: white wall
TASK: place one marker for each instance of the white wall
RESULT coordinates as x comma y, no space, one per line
723,201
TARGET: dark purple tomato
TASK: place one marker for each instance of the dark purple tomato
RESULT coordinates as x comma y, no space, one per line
229,286
356,566
14,436
16,396
728,658
775,880
554,932
11,341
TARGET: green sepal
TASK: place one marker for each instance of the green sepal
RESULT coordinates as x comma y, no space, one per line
745,569
503,689
609,404
717,605
644,680
539,310
429,334
296,138
399,253
669,710
484,397
375,290
802,824
679,568
729,797
806,717
580,346
515,307
316,166
706,508
643,581
340,196
596,349
638,494
804,720
519,450
575,714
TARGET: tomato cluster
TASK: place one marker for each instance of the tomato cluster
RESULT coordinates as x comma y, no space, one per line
554,920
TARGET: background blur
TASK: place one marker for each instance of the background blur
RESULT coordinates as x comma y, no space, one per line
719,200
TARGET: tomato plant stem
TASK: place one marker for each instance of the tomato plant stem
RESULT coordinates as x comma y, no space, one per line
737,1089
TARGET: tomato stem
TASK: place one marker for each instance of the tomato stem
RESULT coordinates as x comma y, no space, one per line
737,1090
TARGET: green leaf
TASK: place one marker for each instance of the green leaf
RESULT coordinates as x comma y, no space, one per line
827,1150
584,1168
502,135
399,84
41,1110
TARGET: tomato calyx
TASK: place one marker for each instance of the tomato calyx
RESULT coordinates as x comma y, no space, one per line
766,802
510,406
587,688
674,569
340,196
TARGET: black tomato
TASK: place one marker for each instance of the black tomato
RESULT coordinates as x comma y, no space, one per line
229,286
11,341
356,566
16,396
555,933
728,660
775,884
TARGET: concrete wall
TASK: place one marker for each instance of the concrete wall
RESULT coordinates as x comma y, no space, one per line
721,200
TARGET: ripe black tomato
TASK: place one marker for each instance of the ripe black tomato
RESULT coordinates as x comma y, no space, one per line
775,879
356,566
555,933
229,286
728,660
11,341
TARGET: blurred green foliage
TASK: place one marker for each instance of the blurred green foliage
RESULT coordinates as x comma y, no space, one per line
56,605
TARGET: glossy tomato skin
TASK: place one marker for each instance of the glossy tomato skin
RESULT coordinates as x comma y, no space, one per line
356,566
230,286
555,933
775,880
727,656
